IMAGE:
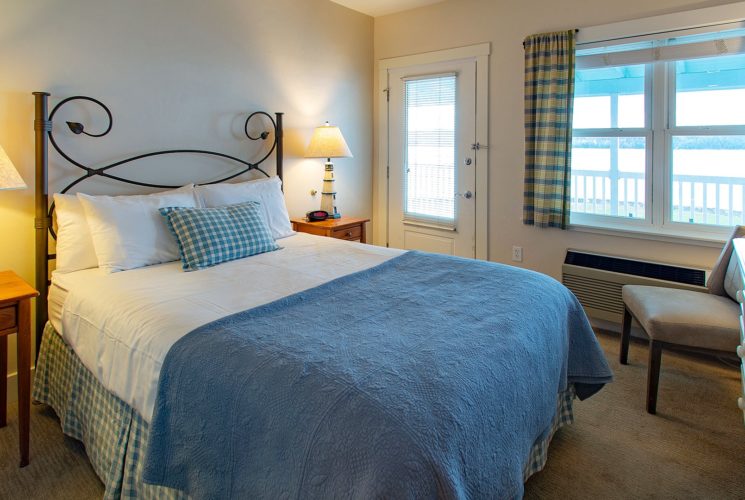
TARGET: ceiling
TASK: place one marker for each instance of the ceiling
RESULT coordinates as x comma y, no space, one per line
377,8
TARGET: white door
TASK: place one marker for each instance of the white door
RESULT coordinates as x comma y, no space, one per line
432,175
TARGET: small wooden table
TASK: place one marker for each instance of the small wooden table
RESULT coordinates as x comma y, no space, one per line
15,317
344,228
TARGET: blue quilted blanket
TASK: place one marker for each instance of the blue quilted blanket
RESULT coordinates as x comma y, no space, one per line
426,376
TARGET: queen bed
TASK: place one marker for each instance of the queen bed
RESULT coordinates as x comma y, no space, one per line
318,368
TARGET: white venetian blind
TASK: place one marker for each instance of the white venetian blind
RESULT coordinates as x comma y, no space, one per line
429,163
670,46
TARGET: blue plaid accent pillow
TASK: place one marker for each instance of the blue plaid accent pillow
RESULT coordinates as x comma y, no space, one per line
209,236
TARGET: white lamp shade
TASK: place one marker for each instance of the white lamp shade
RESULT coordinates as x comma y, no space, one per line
327,142
9,176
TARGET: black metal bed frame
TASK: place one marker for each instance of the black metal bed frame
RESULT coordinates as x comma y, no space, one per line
43,127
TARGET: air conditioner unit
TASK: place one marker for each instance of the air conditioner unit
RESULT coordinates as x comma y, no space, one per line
597,280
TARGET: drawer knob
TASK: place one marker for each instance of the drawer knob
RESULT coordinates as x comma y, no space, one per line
741,403
741,351
349,233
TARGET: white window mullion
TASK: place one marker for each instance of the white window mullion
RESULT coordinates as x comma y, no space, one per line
652,97
664,94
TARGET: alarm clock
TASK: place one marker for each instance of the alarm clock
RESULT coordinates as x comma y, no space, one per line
317,215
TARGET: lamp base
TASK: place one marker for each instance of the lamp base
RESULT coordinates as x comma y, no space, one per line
328,195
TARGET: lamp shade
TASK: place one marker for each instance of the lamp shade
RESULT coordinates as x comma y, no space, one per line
9,176
327,142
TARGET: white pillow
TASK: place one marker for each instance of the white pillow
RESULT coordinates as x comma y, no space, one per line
74,244
268,192
129,232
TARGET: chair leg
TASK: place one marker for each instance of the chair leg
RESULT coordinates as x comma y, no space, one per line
623,357
653,375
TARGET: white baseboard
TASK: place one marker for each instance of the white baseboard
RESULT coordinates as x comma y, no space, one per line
13,385
615,327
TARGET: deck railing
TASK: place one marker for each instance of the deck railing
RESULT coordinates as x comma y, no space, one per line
695,198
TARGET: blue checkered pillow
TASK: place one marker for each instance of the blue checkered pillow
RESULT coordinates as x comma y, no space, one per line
209,236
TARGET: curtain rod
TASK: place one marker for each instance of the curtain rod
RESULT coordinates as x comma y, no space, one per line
576,30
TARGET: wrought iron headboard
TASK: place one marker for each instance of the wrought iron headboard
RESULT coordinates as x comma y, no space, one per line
44,132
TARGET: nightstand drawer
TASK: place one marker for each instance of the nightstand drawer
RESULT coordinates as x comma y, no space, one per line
7,318
343,228
350,233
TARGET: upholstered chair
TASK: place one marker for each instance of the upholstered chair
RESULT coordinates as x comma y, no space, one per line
697,320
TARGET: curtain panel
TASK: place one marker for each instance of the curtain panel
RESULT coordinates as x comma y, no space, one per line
549,98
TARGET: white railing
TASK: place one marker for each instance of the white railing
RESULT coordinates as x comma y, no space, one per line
600,193
695,199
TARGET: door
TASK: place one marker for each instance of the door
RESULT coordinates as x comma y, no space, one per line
432,175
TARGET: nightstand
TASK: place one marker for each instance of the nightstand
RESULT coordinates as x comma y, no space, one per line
344,228
15,317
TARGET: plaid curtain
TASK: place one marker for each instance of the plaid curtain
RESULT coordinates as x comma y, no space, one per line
549,97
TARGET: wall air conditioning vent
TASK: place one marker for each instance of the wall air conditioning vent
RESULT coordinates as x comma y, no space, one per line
596,280
654,270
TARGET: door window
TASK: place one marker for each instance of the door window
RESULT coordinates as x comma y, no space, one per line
429,163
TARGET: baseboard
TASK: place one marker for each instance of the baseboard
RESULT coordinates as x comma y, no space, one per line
13,385
615,327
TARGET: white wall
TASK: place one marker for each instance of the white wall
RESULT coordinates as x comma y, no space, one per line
179,73
504,23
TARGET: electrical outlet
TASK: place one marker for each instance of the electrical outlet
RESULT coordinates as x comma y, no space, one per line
517,254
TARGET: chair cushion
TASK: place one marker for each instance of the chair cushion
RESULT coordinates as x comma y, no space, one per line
684,317
716,277
733,278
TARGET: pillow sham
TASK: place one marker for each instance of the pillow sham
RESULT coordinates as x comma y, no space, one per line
268,192
74,248
210,236
128,232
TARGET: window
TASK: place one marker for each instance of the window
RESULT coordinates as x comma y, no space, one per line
659,133
609,145
429,182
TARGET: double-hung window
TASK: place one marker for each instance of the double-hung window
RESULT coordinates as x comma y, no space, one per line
659,133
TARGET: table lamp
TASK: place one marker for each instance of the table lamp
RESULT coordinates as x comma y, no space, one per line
9,176
327,142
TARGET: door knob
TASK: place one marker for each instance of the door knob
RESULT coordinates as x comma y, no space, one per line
467,161
467,195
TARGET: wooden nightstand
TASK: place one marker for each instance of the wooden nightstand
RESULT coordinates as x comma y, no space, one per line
344,228
15,317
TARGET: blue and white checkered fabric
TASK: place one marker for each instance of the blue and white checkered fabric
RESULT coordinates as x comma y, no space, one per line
209,236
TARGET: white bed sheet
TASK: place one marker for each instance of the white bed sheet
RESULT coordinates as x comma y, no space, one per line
55,301
122,325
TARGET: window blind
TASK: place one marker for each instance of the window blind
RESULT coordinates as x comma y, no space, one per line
673,47
430,148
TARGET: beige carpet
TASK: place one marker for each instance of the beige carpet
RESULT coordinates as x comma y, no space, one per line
693,448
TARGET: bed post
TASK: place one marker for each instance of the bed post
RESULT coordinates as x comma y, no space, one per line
42,126
280,150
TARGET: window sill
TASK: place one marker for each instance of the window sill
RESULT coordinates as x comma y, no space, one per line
679,236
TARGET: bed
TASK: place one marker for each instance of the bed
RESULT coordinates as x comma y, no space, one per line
371,372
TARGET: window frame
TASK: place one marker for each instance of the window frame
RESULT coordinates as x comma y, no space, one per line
412,216
607,221
658,223
671,131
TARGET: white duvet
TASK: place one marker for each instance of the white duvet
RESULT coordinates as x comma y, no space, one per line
122,325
